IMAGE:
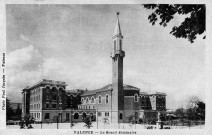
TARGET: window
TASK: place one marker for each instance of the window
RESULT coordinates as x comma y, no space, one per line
54,97
47,106
120,116
76,116
136,97
100,99
106,113
84,115
82,100
115,45
54,106
136,114
99,114
92,100
46,116
67,116
91,115
107,99
47,97
120,44
47,89
87,100
54,90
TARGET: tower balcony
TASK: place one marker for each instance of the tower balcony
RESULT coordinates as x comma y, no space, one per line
117,53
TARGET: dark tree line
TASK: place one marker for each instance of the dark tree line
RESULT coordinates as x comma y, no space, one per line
10,113
195,110
192,26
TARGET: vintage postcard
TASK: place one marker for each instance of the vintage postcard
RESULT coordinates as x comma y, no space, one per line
105,68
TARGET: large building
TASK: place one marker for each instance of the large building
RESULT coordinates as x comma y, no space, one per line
49,101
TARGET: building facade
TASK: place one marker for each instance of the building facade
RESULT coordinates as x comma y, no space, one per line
49,101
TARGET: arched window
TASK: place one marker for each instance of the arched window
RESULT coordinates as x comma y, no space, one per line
91,115
100,99
82,100
54,97
84,115
120,116
136,97
47,89
92,99
54,89
107,99
87,100
136,114
76,116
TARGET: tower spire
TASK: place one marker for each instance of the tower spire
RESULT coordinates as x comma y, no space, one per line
117,30
117,74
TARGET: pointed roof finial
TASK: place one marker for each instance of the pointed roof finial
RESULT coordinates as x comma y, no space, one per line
117,30
117,13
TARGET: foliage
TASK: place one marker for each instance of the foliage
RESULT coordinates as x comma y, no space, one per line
27,120
106,121
180,112
193,25
9,111
72,124
131,119
195,109
18,111
87,122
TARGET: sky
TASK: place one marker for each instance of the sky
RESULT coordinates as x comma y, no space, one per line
72,43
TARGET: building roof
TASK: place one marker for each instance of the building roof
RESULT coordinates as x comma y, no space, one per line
92,92
158,93
76,91
129,87
108,88
143,93
46,82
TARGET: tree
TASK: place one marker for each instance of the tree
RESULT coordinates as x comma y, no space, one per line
195,109
18,111
180,112
189,28
9,111
201,110
87,122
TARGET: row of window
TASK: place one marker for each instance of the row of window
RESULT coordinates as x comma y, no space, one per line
35,98
54,97
35,115
53,106
86,107
76,115
136,97
100,113
99,100
35,106
54,90
35,91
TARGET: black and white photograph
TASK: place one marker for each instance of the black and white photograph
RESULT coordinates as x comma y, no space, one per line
105,66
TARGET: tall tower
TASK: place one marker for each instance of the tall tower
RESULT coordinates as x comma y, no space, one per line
117,75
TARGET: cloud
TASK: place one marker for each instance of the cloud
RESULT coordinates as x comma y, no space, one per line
24,38
23,68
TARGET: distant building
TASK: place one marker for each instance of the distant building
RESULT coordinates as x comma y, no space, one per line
49,101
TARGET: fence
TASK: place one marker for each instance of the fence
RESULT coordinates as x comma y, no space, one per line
128,120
